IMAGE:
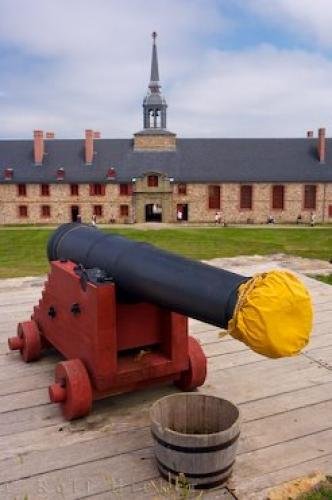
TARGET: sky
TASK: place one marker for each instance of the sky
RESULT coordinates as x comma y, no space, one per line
228,68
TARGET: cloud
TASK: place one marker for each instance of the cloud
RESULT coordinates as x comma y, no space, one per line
79,64
258,92
86,64
311,20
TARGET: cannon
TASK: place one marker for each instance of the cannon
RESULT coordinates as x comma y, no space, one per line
117,310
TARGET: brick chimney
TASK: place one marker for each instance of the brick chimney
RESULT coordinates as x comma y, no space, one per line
96,135
321,148
38,146
50,135
89,136
310,134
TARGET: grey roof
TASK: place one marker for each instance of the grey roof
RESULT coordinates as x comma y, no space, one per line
195,160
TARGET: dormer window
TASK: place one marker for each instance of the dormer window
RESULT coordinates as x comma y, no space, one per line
153,180
8,174
111,173
60,174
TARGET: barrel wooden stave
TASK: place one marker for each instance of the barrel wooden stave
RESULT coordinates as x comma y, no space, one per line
196,435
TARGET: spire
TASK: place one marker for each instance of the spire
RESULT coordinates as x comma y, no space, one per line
154,104
154,79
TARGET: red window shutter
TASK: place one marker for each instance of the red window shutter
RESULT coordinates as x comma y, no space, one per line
214,197
330,211
45,211
98,210
91,189
278,197
124,188
21,190
153,180
246,197
310,191
23,211
124,210
45,189
74,189
102,190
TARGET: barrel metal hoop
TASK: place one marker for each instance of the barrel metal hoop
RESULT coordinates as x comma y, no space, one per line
196,449
196,474
202,486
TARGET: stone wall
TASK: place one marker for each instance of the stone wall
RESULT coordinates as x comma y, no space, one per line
166,194
164,142
198,209
60,202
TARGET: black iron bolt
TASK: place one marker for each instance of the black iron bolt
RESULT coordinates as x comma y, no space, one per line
75,309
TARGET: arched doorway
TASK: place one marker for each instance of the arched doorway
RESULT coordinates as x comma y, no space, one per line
153,212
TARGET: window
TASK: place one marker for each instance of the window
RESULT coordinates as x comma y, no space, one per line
44,189
45,211
278,197
330,211
8,174
60,174
97,189
98,210
310,196
246,197
23,211
74,189
125,190
214,197
21,190
124,210
111,173
182,188
153,180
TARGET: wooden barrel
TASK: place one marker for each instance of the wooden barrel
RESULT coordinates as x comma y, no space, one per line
195,435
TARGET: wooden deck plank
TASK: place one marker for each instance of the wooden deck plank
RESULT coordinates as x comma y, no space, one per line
261,463
276,478
322,355
115,410
66,449
84,480
284,404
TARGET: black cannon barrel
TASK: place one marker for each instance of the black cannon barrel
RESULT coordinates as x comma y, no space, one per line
189,287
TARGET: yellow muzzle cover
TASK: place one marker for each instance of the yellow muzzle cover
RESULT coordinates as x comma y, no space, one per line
273,315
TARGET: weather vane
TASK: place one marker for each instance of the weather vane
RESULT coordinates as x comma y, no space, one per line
154,36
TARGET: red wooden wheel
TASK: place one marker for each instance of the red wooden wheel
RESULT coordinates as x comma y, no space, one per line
72,389
196,373
27,341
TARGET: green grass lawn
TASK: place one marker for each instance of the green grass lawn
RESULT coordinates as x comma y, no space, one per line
23,252
325,279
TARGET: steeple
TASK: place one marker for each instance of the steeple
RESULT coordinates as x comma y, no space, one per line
154,135
154,79
154,104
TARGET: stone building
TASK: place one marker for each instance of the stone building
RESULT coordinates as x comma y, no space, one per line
156,176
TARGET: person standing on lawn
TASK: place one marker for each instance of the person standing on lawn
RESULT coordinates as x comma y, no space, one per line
312,219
